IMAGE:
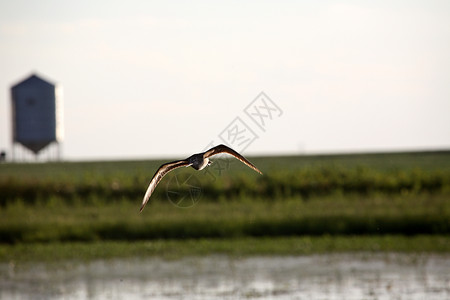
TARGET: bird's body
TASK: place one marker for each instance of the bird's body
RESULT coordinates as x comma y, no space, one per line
198,161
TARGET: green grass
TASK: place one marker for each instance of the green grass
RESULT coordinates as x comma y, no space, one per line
173,249
303,176
56,221
390,202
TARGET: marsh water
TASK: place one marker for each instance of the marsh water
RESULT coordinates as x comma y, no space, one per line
331,276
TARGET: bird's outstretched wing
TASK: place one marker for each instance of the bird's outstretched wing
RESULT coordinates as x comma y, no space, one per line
224,149
163,170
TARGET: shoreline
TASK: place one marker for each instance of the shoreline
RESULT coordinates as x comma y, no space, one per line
243,246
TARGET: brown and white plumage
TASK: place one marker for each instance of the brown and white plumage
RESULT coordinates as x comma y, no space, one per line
198,161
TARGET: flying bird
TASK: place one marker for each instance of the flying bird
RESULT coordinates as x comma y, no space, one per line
198,161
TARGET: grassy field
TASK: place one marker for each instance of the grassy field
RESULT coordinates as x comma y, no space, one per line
301,176
366,202
332,215
174,249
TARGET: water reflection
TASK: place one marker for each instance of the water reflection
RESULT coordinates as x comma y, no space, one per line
337,276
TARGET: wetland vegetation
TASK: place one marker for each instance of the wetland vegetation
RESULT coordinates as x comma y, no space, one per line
302,204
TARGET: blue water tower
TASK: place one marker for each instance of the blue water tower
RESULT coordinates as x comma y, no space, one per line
36,114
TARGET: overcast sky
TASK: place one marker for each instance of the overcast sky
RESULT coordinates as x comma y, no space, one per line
147,79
